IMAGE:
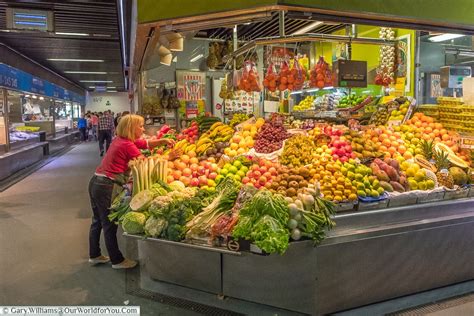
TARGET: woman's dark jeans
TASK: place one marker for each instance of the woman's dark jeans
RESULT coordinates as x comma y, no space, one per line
100,193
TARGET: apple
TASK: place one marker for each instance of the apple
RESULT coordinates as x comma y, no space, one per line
335,157
194,167
202,180
214,167
169,179
262,180
187,172
255,167
186,181
201,170
245,180
273,171
262,170
212,175
262,163
267,175
257,174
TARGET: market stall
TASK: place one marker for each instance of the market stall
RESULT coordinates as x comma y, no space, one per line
339,170
30,119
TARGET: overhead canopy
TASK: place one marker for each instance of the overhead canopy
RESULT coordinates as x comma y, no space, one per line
429,12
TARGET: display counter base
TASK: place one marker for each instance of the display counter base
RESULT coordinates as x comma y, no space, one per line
21,158
62,141
370,257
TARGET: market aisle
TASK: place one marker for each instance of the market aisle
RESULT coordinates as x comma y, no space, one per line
44,221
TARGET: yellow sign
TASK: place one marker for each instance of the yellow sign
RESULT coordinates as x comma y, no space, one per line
398,90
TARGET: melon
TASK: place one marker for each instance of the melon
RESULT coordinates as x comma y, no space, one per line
459,176
453,159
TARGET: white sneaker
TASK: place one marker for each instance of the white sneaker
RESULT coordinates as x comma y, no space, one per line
125,264
99,259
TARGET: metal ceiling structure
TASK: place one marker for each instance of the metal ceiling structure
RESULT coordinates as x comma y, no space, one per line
268,28
89,30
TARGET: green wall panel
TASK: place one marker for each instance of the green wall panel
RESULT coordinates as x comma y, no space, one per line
456,12
156,10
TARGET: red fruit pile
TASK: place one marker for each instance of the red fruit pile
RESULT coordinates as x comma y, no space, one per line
270,138
271,78
191,133
249,80
320,75
341,149
261,174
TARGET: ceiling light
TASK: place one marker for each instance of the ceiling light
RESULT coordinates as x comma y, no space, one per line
97,81
307,28
85,72
72,34
165,55
176,42
112,91
196,58
27,95
41,98
77,60
111,87
444,37
34,97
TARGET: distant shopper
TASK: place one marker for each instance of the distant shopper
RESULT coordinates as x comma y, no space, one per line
114,170
106,130
82,126
95,125
117,119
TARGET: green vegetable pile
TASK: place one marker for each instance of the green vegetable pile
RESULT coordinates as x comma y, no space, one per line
263,221
227,191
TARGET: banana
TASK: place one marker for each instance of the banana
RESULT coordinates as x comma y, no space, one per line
181,144
190,147
213,126
203,141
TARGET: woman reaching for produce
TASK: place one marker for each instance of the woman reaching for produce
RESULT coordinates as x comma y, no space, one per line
114,170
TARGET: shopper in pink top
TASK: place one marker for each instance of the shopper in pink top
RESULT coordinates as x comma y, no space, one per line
95,124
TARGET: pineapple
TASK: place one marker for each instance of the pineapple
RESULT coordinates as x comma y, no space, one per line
442,164
427,149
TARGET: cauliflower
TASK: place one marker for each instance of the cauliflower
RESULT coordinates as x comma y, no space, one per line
134,222
154,226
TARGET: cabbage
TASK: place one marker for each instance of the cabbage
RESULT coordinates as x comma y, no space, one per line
177,185
134,222
154,226
141,201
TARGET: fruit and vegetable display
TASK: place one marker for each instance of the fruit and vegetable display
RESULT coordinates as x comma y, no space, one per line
305,104
225,186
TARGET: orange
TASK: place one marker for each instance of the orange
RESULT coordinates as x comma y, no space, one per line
382,149
428,129
386,142
402,149
418,124
395,144
407,155
392,150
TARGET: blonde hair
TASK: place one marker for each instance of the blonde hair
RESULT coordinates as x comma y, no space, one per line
128,124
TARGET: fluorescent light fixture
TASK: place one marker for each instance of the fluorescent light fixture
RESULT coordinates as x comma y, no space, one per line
111,90
97,81
196,58
111,87
34,97
328,88
27,95
30,23
42,98
77,60
85,72
307,28
30,16
71,34
444,37
102,35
